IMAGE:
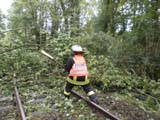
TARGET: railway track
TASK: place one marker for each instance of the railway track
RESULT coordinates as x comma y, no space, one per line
99,110
96,109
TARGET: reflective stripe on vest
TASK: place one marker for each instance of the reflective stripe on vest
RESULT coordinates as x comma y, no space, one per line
75,82
79,67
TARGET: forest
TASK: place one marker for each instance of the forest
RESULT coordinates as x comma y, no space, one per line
121,43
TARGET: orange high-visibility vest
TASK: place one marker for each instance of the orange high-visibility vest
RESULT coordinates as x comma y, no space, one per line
79,67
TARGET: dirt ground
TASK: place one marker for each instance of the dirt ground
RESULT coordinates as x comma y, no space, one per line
124,109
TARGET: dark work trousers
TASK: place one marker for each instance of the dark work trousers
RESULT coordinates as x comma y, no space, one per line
87,88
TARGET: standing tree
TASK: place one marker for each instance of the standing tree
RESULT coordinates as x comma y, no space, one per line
28,18
2,25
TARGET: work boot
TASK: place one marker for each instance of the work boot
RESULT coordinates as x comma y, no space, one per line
67,96
93,99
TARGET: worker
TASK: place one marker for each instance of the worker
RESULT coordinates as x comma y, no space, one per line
76,68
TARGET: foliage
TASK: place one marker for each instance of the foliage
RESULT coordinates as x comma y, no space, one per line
2,24
135,24
121,44
98,43
105,76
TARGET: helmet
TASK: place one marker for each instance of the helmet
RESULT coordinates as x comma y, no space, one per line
76,48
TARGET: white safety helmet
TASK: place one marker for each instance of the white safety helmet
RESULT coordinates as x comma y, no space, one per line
76,48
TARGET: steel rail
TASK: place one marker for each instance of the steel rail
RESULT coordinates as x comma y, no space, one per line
99,108
19,103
